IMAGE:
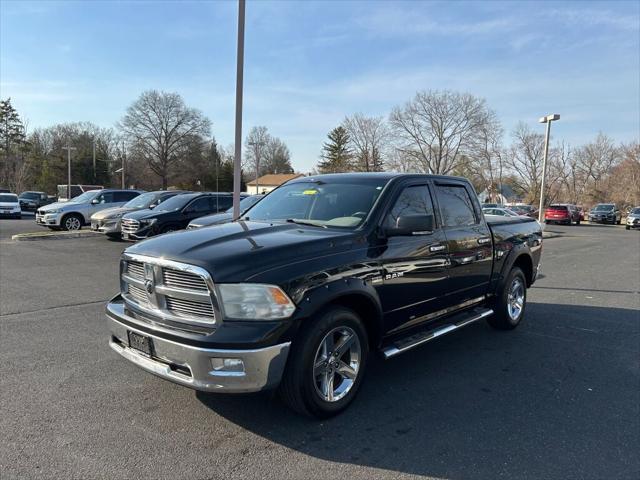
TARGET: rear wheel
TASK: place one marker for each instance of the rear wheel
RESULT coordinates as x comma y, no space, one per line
326,364
511,302
73,221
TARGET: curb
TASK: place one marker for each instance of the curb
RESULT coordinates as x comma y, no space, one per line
28,237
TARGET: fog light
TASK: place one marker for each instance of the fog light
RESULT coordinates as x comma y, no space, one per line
227,366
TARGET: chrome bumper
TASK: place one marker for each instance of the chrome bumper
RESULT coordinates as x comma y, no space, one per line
193,366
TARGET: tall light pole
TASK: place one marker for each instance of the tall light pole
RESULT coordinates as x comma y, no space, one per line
68,149
94,161
548,119
239,77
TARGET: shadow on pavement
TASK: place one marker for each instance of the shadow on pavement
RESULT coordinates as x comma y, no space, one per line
531,403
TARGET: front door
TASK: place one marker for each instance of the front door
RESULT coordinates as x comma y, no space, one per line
469,243
414,267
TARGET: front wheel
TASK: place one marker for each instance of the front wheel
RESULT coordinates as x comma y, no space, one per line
511,302
326,364
72,222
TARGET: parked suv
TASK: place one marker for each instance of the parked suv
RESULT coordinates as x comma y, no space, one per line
562,213
605,213
10,206
633,219
314,279
108,221
34,200
75,213
173,214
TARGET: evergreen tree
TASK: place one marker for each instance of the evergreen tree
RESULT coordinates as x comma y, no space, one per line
336,155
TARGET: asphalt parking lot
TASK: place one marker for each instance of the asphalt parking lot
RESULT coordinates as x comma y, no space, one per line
559,397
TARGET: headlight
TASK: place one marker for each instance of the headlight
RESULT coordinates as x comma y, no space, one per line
148,222
246,301
57,210
114,216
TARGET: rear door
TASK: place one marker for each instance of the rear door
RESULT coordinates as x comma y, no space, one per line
197,208
468,240
414,268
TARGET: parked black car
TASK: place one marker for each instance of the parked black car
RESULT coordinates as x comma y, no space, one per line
34,200
605,213
246,203
320,274
173,214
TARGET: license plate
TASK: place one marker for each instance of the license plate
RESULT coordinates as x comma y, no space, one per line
125,235
94,226
141,343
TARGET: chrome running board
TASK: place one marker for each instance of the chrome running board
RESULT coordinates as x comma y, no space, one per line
458,321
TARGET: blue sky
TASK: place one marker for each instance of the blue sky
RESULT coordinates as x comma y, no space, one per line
308,64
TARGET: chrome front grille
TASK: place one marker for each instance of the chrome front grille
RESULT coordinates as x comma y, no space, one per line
182,279
129,225
168,290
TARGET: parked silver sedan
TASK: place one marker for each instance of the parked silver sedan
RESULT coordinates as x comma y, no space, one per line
108,221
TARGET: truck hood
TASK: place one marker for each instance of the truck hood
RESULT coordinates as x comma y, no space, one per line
237,251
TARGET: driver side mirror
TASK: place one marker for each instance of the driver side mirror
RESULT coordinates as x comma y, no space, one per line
411,225
95,201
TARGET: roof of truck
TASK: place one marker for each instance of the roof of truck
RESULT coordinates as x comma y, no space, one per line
370,176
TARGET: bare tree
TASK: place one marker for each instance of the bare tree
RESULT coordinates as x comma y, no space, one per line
159,124
595,161
368,137
277,157
524,159
256,145
437,127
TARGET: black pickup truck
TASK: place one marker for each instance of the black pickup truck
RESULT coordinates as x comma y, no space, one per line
311,281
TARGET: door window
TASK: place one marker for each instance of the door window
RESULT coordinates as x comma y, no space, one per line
414,200
221,202
201,205
456,206
106,197
125,196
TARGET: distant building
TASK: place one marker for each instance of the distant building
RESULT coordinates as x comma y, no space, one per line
266,183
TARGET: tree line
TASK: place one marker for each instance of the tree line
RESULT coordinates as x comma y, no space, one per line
160,142
452,133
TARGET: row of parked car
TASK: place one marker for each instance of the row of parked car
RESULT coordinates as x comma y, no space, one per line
135,214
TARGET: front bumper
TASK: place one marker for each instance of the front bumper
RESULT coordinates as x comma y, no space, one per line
48,219
633,222
599,219
193,366
11,213
106,226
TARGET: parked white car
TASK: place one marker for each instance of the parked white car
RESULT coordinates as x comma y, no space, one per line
10,205
76,213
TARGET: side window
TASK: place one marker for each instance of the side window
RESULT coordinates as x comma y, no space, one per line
456,206
414,200
222,202
201,205
106,197
124,196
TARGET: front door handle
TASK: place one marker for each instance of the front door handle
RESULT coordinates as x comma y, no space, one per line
436,248
484,240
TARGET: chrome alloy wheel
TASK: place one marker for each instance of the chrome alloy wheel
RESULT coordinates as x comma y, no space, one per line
515,299
336,364
72,223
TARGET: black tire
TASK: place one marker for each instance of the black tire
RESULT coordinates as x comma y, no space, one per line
627,227
298,388
620,221
578,222
117,236
502,319
72,221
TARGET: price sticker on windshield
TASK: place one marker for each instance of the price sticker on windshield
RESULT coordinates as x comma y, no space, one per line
310,192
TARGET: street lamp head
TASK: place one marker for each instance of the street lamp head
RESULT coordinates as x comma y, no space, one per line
550,118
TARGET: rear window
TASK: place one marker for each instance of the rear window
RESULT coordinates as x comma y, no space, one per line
558,207
8,198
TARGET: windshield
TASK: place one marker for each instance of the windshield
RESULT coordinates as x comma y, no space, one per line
85,197
30,195
246,203
635,211
603,208
174,203
318,203
8,198
141,201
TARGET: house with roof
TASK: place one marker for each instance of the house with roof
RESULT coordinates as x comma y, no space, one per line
268,182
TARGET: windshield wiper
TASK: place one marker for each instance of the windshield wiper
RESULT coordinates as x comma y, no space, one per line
303,222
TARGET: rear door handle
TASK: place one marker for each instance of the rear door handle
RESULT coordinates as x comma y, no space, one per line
436,248
484,240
